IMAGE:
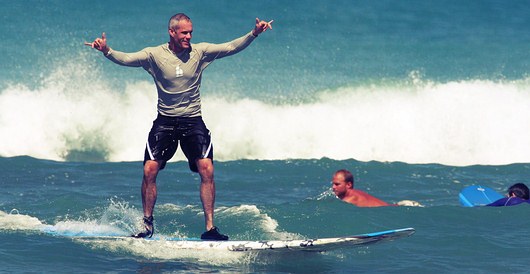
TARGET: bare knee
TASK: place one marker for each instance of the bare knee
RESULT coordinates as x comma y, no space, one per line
205,167
151,169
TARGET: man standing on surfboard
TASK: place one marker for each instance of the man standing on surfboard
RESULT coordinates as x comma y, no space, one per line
342,186
176,68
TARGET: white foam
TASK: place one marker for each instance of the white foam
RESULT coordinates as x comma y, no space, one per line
160,250
16,221
86,228
256,221
166,250
455,123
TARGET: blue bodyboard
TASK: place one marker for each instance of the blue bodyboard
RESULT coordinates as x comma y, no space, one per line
477,195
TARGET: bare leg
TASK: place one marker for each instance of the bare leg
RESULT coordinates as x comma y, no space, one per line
151,169
207,190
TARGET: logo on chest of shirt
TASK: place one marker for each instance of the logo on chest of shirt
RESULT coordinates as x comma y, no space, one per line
178,71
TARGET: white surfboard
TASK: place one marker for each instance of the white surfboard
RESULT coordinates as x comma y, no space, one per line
319,244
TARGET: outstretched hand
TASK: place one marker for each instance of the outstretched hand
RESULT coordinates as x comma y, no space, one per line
100,44
261,26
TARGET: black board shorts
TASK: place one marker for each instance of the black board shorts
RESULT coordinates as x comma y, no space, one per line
167,132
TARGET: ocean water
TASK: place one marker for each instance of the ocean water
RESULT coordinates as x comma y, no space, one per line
417,98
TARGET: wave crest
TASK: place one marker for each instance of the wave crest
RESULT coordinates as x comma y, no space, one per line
80,117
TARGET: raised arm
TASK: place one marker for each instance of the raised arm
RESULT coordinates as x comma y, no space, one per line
217,51
136,59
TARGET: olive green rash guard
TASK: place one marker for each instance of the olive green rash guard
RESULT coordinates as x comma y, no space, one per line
178,76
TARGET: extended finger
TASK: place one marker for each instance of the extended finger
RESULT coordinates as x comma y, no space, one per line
269,24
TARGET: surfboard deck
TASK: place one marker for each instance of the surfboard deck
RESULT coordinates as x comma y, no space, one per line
478,195
320,244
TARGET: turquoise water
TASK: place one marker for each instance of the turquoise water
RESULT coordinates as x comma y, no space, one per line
417,98
281,199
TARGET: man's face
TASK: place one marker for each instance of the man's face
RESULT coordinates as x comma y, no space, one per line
339,186
181,35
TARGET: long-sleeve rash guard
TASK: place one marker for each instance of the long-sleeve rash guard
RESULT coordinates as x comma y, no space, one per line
178,76
509,201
